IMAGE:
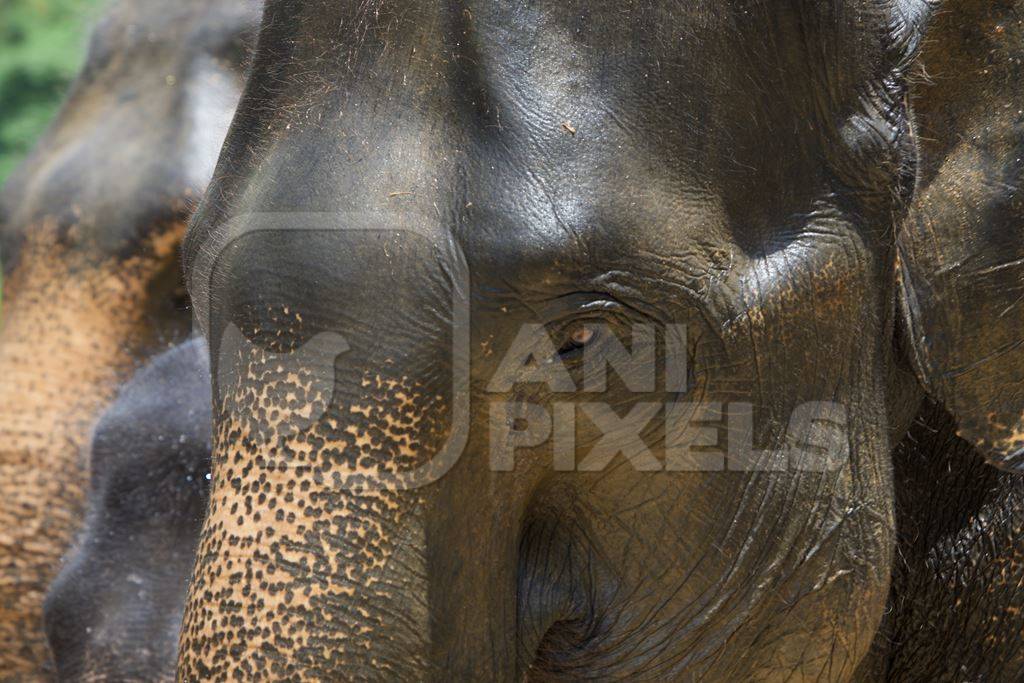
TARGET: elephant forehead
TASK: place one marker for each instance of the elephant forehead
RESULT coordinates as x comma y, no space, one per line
138,136
685,122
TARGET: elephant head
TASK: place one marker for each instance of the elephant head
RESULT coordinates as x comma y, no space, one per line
434,228
90,226
114,611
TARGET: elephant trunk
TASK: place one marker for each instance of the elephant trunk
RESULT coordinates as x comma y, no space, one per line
307,569
400,594
67,338
321,557
338,545
51,390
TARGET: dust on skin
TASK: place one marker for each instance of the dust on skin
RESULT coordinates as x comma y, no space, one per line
294,531
70,328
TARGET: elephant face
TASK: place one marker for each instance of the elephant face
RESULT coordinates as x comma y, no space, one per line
90,226
114,611
434,226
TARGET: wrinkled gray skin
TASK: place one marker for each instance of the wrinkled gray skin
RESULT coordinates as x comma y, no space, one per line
748,169
114,611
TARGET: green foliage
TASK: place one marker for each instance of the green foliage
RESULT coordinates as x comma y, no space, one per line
42,44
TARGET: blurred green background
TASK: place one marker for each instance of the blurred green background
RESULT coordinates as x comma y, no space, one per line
42,44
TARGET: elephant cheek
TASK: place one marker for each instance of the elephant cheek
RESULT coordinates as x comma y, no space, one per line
70,332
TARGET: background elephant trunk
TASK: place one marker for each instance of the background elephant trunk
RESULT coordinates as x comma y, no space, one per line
67,338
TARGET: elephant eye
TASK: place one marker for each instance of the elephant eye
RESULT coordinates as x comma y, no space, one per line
577,338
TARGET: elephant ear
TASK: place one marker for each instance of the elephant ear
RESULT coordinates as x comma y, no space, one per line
961,250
